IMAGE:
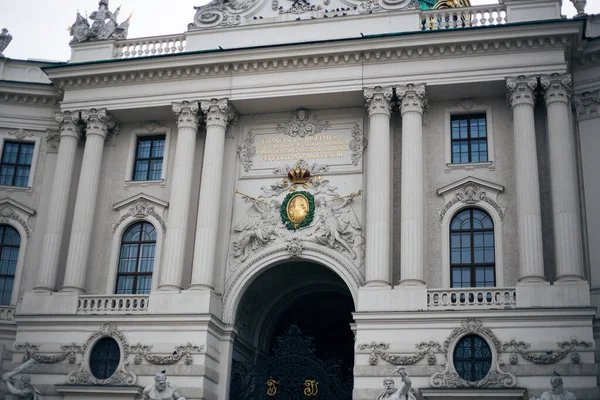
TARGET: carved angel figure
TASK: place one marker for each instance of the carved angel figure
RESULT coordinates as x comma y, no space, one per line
334,216
257,228
104,25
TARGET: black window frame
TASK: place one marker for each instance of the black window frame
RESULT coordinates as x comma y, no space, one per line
472,360
469,140
135,274
148,160
17,165
472,265
3,245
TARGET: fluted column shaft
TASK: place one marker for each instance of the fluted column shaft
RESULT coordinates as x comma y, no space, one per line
98,124
563,174
379,190
59,201
218,115
179,200
412,105
521,98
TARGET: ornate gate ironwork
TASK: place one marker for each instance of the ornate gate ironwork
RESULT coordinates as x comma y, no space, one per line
293,372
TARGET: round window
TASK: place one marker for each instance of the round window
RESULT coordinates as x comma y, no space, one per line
472,358
104,358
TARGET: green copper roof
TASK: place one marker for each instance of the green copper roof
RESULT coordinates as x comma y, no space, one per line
427,4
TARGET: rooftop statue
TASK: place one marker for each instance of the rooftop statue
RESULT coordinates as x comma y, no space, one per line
104,25
22,388
557,392
5,39
161,389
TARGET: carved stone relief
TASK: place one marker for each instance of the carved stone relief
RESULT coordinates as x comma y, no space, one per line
449,378
246,151
219,13
302,123
358,144
141,209
587,104
21,134
313,169
10,210
547,356
470,192
52,140
31,352
425,349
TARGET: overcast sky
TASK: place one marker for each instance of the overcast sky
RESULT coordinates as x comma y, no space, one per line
39,27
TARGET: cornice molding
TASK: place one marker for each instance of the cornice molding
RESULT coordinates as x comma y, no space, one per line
193,66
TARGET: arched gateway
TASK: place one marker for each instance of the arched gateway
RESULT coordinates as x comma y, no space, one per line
293,318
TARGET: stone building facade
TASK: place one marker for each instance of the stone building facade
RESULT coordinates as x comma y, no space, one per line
408,184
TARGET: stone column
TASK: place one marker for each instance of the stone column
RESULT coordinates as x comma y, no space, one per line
379,187
179,200
98,124
412,105
59,200
563,175
521,98
218,115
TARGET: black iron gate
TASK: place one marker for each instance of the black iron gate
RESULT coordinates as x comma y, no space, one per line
293,372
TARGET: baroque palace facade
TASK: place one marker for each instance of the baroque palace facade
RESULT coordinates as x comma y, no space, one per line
407,188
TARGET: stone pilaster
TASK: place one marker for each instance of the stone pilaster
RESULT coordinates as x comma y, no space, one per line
379,191
59,200
219,113
98,125
179,201
563,174
521,98
413,103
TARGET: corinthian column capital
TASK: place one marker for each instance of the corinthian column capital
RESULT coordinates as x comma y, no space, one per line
187,114
379,99
587,104
218,112
412,98
99,122
69,123
521,90
557,87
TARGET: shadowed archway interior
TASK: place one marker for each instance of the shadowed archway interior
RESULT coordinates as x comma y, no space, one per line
309,300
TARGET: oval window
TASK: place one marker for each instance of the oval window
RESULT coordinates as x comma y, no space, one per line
104,358
472,358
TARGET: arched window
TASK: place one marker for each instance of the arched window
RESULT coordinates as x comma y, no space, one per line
472,257
10,241
136,260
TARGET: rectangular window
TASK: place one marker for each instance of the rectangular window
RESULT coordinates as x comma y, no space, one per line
469,138
16,163
149,155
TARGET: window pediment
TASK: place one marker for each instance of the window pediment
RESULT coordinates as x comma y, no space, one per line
470,190
139,206
11,210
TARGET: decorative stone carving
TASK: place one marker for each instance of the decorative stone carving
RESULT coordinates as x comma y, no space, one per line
11,210
449,378
557,392
403,392
358,144
219,13
521,90
334,225
104,25
470,191
246,151
121,376
161,389
302,123
378,99
141,209
25,390
21,134
52,140
187,114
151,126
369,6
184,352
218,112
580,7
545,357
313,169
587,104
295,247
378,350
99,122
557,87
5,39
31,352
70,123
412,98
300,7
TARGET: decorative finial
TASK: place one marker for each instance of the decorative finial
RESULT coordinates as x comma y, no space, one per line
580,7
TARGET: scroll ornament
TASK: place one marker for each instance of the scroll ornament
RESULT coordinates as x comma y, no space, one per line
545,357
424,349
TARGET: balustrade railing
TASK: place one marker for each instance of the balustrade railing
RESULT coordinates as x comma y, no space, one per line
150,46
112,304
7,314
467,17
482,298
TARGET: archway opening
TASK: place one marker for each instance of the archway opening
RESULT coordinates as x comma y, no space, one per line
295,336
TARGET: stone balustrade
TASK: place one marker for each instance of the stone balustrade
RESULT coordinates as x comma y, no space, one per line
7,314
150,46
468,17
478,298
112,304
